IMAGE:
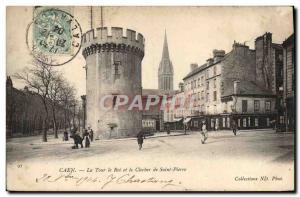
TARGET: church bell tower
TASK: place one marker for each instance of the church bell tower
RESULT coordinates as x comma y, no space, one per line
165,71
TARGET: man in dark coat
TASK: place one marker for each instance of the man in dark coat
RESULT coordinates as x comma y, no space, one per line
91,135
140,139
77,140
86,138
66,136
234,127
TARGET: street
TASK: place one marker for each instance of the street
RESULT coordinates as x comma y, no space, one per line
264,150
263,144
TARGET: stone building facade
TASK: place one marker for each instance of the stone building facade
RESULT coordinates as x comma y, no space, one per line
113,62
153,119
289,85
224,89
269,71
175,110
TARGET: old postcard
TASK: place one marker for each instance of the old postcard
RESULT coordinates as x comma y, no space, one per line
127,98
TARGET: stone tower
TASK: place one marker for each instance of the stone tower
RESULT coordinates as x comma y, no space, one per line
165,70
264,69
113,62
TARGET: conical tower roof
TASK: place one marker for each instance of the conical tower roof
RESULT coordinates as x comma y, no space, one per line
165,66
165,53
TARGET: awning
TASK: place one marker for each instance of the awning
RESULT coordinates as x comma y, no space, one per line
187,120
177,119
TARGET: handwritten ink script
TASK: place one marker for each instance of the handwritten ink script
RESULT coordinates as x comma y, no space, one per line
105,177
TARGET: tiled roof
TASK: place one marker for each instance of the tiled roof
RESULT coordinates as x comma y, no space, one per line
204,66
198,69
245,88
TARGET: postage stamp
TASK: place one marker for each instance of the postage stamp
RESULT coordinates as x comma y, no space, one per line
150,98
54,37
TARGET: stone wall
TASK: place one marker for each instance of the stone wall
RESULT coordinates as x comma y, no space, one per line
113,64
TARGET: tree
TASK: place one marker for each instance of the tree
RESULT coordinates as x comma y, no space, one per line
55,90
67,98
38,78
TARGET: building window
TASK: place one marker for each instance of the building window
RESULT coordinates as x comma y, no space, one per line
281,102
244,106
215,83
207,97
228,122
224,122
202,80
207,85
215,95
268,106
281,121
117,65
198,82
225,107
215,70
202,95
256,122
244,122
268,122
256,105
222,88
195,123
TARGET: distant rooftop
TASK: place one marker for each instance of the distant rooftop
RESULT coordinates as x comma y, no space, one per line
245,88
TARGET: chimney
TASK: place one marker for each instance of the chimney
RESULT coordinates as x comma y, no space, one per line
209,61
236,87
180,85
194,66
26,88
218,55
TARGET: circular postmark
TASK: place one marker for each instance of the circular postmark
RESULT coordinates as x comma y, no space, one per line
54,37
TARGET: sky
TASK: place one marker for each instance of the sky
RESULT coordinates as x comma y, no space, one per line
192,32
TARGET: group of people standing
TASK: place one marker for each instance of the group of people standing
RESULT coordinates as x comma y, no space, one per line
87,136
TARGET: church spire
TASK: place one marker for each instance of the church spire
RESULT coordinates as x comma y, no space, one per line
165,70
165,54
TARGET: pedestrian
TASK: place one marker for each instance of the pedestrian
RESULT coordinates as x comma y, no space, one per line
204,134
86,138
168,130
140,139
273,123
234,127
91,134
66,136
77,140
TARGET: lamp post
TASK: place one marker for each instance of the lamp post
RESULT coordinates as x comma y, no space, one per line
83,97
